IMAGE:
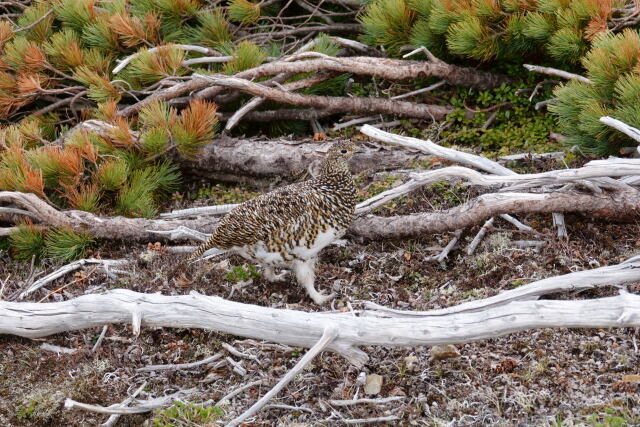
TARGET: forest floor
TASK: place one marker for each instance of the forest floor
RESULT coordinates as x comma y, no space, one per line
539,377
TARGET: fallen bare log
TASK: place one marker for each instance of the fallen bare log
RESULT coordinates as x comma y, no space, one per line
617,206
251,160
333,104
305,329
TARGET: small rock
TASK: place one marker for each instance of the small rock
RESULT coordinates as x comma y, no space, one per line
373,384
631,378
440,352
362,378
397,392
410,362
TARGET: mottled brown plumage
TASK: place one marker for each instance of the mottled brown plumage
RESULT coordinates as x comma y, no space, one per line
289,226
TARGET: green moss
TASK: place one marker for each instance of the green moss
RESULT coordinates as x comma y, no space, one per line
185,414
224,194
516,127
242,273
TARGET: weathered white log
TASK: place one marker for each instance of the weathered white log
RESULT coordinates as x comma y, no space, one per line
182,232
618,206
523,181
202,210
556,155
304,329
630,131
613,275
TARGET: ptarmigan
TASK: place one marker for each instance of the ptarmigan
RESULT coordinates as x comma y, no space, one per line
289,226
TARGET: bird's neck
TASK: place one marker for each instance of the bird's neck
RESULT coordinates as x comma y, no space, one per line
333,167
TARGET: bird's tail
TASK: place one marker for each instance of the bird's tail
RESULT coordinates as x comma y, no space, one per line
201,249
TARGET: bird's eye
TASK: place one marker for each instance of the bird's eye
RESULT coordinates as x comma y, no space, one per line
343,151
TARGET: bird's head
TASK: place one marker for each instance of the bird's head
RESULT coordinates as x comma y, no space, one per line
337,158
342,150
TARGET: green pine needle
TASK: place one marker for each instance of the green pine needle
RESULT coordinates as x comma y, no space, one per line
40,31
566,44
66,244
135,199
74,13
471,38
155,141
539,26
243,11
149,67
27,242
246,55
213,29
324,44
112,174
387,23
166,176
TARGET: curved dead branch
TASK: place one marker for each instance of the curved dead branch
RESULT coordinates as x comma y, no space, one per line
333,104
391,69
304,329
619,206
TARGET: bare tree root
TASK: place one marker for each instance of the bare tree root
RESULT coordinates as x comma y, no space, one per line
305,329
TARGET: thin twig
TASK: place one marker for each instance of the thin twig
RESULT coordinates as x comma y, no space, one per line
34,23
114,417
145,406
178,366
483,231
100,338
376,401
237,391
556,72
371,420
329,334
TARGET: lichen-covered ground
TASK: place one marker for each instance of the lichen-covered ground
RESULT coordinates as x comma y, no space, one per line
538,377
